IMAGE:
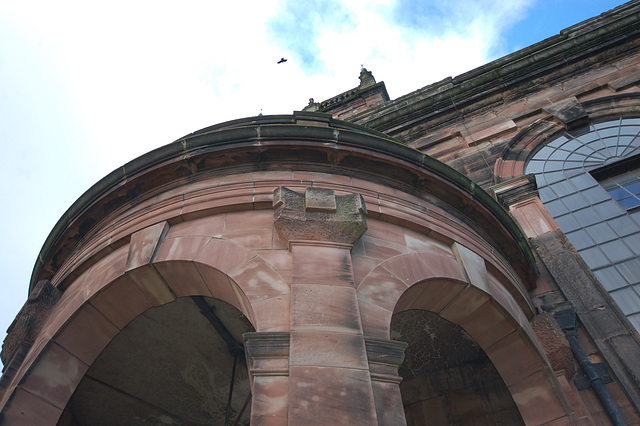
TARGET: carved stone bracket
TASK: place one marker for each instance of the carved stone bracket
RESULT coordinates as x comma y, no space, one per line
569,112
515,190
267,353
385,357
318,214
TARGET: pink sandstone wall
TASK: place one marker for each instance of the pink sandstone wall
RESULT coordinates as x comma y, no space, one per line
217,238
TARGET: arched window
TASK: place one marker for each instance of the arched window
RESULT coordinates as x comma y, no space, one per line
589,181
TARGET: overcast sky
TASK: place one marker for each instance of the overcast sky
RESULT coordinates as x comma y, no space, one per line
88,86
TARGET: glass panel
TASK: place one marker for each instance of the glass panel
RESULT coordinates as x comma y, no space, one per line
616,192
630,270
571,165
626,178
596,195
624,225
609,133
553,177
558,141
572,145
632,149
585,150
567,223
583,181
633,242
617,251
633,188
559,155
553,166
608,209
629,203
563,188
580,239
586,217
546,194
556,208
627,299
594,258
601,233
606,124
588,138
635,320
544,153
610,278
534,166
575,201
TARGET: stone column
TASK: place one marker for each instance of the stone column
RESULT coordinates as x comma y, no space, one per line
385,357
329,379
267,357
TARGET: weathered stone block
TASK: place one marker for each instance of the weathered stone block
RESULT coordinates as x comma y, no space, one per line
30,319
319,215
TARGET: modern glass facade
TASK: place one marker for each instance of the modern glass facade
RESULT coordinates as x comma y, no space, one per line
595,203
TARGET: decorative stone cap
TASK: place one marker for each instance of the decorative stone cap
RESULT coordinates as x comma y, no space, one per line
319,215
385,356
515,190
267,354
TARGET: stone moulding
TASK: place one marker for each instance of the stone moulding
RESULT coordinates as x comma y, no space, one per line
529,139
267,353
277,143
385,357
573,44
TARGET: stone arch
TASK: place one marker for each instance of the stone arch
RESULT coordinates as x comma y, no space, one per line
515,154
110,294
230,272
482,307
172,363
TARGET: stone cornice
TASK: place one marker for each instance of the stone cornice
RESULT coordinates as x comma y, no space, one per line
616,27
303,142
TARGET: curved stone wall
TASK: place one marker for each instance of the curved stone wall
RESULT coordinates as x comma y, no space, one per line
200,222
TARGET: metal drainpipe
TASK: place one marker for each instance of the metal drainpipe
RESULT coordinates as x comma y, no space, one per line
567,321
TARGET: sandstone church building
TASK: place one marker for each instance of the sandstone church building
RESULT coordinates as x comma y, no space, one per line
468,253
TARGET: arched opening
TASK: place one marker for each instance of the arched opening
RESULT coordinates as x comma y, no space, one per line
589,181
447,377
173,364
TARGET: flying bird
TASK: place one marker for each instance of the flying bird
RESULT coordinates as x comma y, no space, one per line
282,61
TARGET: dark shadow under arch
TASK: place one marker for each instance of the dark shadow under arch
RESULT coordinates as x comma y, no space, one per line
447,377
170,365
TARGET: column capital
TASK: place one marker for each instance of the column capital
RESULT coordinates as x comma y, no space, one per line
385,357
267,353
319,215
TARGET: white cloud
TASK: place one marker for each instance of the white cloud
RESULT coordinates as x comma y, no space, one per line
92,85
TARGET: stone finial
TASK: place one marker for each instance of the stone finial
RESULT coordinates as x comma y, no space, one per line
319,215
312,106
366,78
